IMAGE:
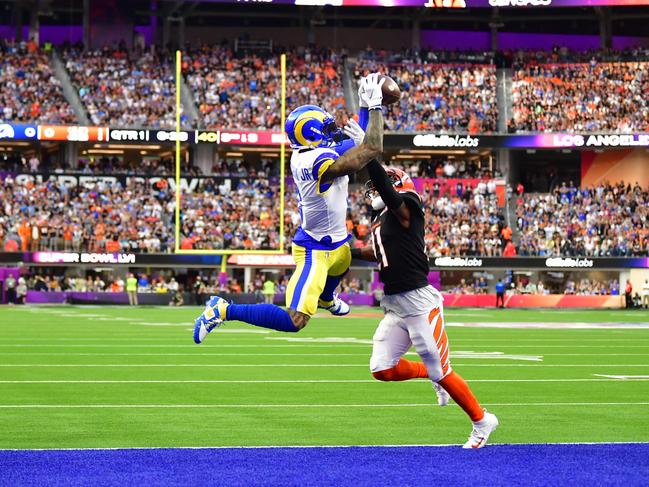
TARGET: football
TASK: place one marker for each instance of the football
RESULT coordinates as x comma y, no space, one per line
391,91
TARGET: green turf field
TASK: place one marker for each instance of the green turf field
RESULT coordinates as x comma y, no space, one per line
131,377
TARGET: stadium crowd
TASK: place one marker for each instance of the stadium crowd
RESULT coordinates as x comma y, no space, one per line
235,90
461,221
136,217
606,220
124,88
442,98
444,92
586,97
30,92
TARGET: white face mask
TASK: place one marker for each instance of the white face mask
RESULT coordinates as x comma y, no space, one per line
377,203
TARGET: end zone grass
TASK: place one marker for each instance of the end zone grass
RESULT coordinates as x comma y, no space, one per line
98,377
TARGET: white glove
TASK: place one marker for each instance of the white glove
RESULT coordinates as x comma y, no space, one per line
354,132
372,93
361,102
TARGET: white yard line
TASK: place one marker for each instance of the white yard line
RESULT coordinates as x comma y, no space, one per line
639,378
101,344
257,447
625,377
553,325
315,406
215,354
456,355
311,365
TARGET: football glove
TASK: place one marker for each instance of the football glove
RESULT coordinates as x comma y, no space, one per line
371,90
361,101
354,132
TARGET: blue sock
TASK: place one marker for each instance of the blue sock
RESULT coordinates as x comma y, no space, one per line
263,315
330,286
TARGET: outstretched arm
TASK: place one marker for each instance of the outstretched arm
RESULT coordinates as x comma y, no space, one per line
372,146
357,158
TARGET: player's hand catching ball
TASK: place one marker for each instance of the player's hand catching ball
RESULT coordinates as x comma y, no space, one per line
371,91
354,131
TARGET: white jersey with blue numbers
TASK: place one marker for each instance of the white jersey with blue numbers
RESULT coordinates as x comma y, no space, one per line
323,206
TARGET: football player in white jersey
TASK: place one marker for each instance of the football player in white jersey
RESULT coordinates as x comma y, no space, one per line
320,165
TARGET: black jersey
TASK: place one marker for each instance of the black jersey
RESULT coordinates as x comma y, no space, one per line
401,252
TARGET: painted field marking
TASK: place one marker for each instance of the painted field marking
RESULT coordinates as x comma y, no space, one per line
291,346
503,342
625,377
311,365
309,381
539,340
323,406
553,325
256,447
253,331
294,354
458,354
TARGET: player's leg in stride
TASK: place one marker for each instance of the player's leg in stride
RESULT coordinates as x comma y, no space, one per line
413,307
323,157
314,277
427,334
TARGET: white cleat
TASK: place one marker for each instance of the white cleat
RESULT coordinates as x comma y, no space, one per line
338,307
481,431
442,396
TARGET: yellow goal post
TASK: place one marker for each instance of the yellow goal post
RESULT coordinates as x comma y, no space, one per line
282,153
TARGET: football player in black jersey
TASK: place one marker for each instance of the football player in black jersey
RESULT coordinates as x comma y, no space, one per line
413,308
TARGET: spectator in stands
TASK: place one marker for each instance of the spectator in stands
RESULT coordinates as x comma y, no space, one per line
124,89
607,220
440,98
587,97
30,93
240,90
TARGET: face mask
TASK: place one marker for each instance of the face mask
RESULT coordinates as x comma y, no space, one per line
377,203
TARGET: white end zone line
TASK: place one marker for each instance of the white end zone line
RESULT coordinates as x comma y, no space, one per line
314,406
553,325
624,377
258,447
364,365
639,378
293,346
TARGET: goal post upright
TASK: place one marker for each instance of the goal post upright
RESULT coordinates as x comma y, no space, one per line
282,191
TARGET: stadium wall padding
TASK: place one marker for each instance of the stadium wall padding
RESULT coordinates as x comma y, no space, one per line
533,301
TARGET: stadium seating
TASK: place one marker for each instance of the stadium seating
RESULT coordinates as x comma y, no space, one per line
607,220
242,91
586,97
136,218
124,89
447,98
30,91
459,225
